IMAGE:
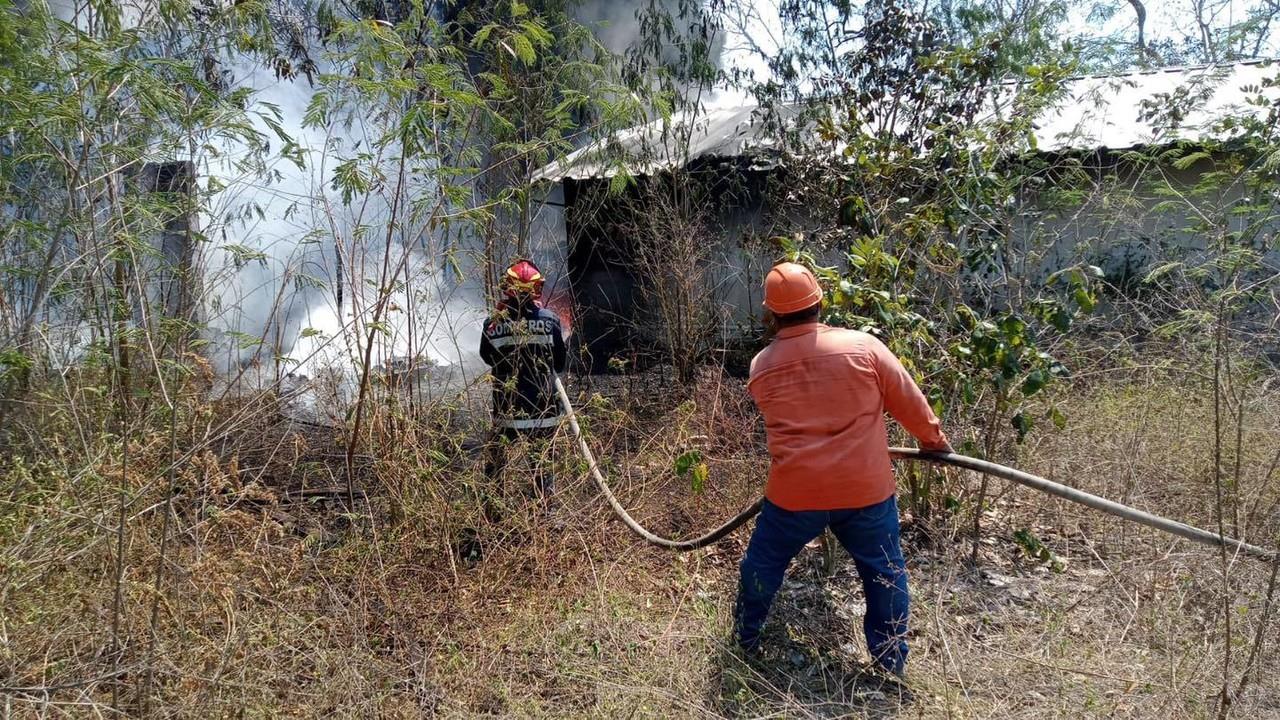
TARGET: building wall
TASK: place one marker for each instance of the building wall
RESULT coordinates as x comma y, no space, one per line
1126,225
1140,219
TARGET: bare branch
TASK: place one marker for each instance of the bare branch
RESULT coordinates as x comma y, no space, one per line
1141,11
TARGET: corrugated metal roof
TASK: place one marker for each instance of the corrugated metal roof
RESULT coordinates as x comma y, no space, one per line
1095,112
1106,111
652,147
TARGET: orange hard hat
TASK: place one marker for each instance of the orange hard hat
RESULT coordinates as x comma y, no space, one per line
790,288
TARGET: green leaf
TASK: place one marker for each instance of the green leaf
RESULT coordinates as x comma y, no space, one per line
1059,419
1187,161
14,360
1013,328
350,178
1029,542
524,49
537,33
242,255
482,35
699,477
1084,299
687,461
1160,271
1022,424
1035,382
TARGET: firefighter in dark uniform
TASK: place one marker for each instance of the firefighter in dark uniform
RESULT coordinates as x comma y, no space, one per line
524,345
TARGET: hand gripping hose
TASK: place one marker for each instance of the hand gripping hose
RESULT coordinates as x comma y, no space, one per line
944,458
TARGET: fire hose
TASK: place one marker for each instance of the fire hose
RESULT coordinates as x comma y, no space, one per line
1003,472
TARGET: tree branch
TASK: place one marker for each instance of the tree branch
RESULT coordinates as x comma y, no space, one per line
1141,11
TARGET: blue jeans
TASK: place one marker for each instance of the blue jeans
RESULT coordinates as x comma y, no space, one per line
869,534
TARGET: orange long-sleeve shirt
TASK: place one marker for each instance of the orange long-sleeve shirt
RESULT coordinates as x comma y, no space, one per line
823,392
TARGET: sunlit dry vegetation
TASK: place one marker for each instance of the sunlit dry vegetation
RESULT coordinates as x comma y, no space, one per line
246,248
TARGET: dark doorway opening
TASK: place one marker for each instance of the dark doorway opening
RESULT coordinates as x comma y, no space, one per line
601,274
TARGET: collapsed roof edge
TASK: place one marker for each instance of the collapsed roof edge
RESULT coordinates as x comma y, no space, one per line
1096,112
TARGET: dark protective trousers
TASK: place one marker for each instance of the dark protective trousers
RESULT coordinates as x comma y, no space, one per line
871,537
537,443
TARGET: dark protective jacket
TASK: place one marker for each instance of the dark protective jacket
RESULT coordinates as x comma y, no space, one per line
524,344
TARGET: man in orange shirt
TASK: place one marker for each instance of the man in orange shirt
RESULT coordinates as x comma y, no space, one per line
823,392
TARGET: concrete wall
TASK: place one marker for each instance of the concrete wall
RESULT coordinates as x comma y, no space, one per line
1126,224
1135,219
172,274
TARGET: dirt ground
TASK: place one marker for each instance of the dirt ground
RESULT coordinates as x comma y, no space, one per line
276,603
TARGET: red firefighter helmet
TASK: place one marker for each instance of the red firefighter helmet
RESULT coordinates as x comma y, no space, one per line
522,279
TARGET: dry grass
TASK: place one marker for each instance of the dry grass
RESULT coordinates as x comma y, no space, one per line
271,607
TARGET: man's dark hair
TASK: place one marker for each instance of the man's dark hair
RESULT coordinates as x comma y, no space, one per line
800,317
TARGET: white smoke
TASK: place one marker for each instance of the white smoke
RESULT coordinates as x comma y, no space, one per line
271,271
280,315
616,24
439,317
268,211
269,263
